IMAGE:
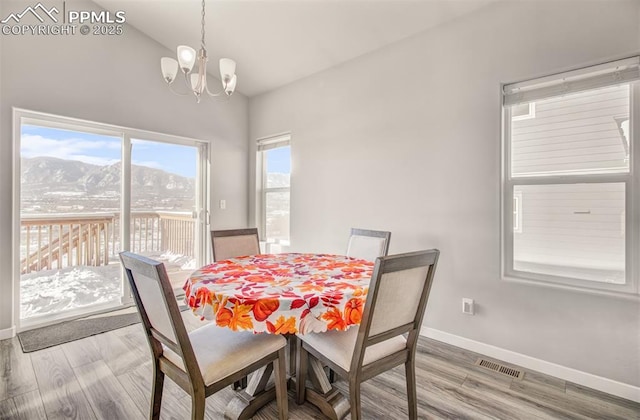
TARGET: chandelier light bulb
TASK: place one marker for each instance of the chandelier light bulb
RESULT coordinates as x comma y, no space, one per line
186,57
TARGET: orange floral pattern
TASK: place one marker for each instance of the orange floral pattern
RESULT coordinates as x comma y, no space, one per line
281,293
334,317
283,326
353,311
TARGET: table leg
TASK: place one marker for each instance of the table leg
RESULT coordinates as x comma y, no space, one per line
323,395
292,344
241,384
255,396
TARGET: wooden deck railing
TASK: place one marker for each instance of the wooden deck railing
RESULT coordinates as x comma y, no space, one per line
66,240
162,231
57,241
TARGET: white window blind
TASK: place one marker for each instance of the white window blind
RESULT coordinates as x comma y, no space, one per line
589,78
273,142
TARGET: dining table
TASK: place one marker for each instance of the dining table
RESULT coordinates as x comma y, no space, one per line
288,293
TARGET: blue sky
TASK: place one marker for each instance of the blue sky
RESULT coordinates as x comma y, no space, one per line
105,150
279,160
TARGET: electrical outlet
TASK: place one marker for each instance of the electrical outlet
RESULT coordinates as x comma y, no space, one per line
223,204
467,306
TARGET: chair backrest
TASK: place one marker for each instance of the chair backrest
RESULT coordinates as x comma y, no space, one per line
234,243
153,294
396,300
368,244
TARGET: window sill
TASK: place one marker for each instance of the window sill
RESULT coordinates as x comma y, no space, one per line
633,296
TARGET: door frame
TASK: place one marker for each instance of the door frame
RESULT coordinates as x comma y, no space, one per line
202,202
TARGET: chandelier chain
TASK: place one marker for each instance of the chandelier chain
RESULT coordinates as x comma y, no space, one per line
202,42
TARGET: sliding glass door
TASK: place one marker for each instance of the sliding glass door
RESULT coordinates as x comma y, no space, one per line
69,201
164,205
85,192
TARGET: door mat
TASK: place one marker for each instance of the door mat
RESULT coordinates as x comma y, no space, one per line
53,335
64,332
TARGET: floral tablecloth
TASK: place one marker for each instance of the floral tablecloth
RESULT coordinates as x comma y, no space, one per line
281,293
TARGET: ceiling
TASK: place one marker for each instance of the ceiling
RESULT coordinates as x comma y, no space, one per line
276,42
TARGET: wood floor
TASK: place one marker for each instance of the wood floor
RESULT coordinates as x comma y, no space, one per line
108,377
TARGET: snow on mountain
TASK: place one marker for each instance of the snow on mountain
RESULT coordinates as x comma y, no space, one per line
48,170
51,183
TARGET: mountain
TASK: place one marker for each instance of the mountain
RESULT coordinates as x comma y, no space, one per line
41,171
53,184
143,179
277,179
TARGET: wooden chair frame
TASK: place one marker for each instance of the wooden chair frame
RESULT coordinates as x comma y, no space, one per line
357,372
233,232
190,379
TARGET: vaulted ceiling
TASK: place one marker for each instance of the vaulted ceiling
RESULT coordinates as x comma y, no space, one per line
276,42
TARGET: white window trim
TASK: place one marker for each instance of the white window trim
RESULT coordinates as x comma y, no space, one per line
631,288
264,144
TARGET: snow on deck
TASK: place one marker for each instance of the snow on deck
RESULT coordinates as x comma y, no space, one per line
53,291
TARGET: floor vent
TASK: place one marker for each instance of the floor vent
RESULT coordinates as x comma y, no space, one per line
497,367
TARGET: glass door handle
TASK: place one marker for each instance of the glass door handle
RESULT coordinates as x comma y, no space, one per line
202,216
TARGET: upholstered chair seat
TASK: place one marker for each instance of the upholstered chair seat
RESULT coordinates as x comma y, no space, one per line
239,349
338,347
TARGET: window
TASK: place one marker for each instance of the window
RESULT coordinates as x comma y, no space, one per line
274,188
84,191
570,191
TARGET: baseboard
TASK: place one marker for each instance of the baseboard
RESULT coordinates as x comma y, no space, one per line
7,333
589,380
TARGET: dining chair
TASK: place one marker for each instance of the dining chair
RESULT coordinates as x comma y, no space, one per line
395,306
205,360
234,243
368,244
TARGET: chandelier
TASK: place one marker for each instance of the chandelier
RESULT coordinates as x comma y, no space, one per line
197,80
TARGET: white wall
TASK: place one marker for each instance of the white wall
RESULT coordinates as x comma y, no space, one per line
407,139
115,80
